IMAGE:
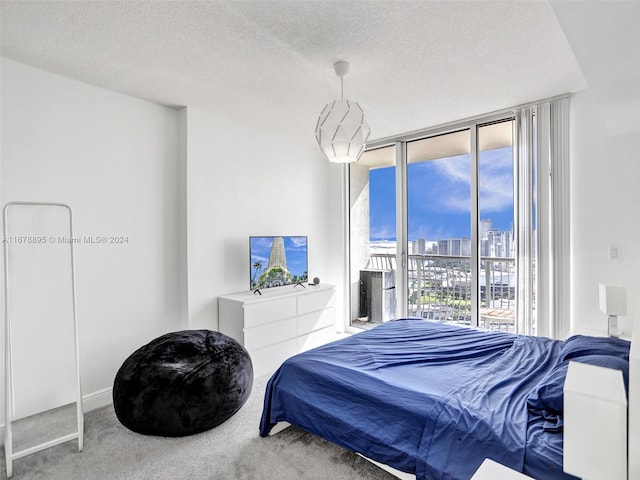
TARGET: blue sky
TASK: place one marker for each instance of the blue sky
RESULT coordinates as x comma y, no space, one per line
295,250
439,193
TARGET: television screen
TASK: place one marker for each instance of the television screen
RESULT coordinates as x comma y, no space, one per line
277,261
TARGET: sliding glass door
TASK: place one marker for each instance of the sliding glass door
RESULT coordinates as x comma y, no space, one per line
435,216
481,215
496,237
439,227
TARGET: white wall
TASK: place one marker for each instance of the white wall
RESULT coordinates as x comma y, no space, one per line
114,159
244,181
187,188
605,202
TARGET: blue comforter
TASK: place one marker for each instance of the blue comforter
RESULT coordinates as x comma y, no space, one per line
426,398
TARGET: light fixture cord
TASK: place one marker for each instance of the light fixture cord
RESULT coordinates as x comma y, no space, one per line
341,88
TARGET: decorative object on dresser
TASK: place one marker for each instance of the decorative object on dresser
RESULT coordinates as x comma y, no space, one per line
182,383
613,302
279,323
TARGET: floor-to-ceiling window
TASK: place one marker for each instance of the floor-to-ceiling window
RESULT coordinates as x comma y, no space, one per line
481,216
439,179
453,192
496,233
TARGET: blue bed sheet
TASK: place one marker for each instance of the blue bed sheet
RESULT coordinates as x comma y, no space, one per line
426,398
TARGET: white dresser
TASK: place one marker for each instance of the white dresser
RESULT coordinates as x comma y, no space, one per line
279,323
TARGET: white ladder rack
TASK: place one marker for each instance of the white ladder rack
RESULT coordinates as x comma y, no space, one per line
10,455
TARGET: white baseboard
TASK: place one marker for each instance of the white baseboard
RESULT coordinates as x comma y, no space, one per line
97,399
91,401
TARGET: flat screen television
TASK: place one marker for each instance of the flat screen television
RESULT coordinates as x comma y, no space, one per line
277,261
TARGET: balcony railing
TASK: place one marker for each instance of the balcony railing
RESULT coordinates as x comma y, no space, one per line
440,288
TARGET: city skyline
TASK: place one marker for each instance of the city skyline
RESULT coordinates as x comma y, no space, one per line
493,243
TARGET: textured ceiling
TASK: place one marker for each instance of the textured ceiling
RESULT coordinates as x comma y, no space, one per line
414,64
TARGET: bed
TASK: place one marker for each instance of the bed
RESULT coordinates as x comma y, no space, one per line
434,400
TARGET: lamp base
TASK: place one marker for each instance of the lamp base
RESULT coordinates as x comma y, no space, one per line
613,330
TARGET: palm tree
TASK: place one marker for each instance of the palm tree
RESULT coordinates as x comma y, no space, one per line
256,266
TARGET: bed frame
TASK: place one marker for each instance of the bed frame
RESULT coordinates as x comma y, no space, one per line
631,445
280,426
633,432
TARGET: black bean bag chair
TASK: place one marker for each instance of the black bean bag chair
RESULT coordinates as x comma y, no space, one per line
182,383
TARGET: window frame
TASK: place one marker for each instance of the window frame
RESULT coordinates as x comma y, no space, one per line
557,198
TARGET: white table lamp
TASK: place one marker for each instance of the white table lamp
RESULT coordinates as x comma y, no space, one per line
613,302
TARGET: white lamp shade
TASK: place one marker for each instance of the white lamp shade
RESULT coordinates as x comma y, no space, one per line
342,131
613,299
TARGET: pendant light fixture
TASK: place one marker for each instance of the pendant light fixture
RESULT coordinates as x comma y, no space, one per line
342,131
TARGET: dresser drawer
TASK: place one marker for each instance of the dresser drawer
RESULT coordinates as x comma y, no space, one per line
270,333
268,359
269,311
316,320
315,339
314,301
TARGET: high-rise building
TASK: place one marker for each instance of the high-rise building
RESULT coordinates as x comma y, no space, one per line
493,243
443,247
455,247
465,248
277,257
485,249
419,246
486,225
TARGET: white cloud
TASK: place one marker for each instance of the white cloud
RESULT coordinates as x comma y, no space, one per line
496,182
455,169
496,192
259,258
457,203
384,231
299,242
